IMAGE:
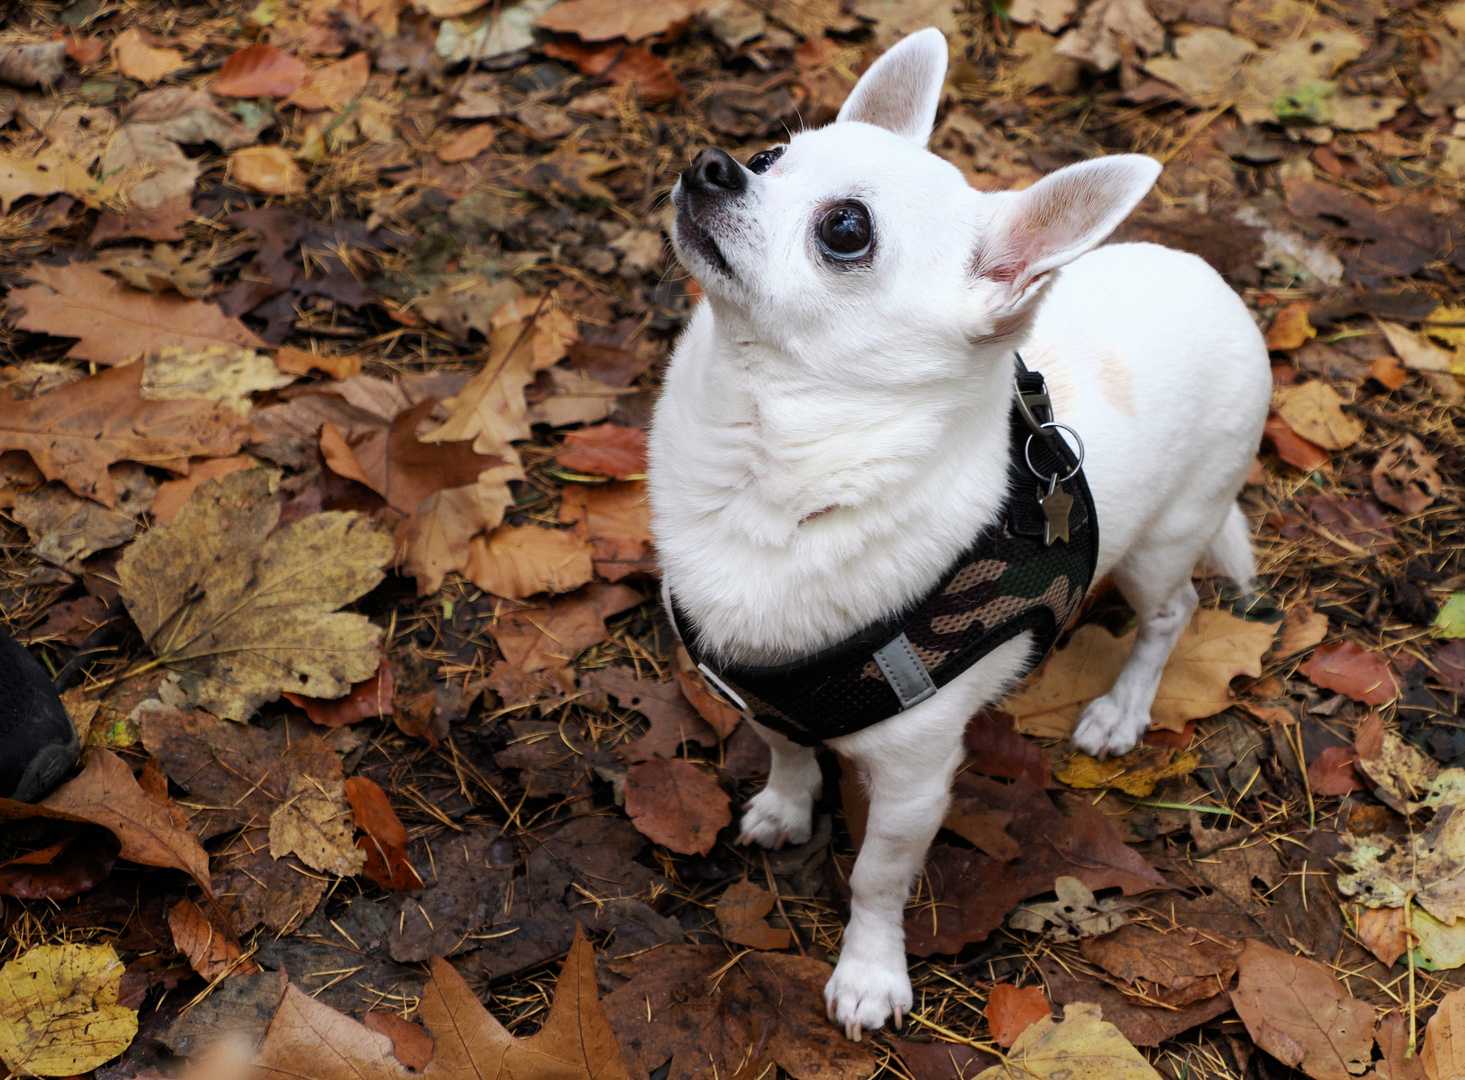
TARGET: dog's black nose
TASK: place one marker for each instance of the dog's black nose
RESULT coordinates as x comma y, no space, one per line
713,171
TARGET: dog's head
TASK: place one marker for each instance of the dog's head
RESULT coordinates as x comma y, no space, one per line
857,233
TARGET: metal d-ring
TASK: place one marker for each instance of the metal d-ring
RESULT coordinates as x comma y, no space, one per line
1027,456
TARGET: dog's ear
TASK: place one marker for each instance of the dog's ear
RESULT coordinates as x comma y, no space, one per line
902,89
1059,218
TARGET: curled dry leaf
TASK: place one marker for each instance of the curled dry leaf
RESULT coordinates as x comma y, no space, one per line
211,950
1012,1010
1406,476
240,612
1299,1013
259,71
1315,412
605,450
59,1014
742,912
676,804
116,323
1350,669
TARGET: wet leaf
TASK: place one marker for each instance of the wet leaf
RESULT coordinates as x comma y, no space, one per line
59,1014
676,804
1011,1011
239,613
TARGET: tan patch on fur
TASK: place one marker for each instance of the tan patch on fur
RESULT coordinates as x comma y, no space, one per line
1116,382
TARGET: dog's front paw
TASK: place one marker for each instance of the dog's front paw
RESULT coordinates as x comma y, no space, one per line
773,818
862,994
1106,727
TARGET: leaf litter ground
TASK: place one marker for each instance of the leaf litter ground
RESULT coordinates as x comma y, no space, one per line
354,601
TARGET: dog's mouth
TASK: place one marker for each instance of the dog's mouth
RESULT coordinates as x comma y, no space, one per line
692,236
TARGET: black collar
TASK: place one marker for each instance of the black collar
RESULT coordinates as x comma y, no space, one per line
1008,581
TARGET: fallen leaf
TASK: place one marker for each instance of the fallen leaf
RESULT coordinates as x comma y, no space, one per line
676,804
1177,967
411,1044
1315,412
257,71
439,536
155,182
468,143
676,1007
73,865
605,450
172,494
1298,1012
1109,29
1215,648
187,114
385,842
239,613
32,63
601,20
46,173
1439,947
59,1014
223,373
518,562
723,717
1358,522
1443,1055
366,700
269,170
1081,1044
1290,328
65,528
535,639
498,34
1075,915
301,362
616,518
332,86
1450,622
1384,872
1136,773
1402,773
1052,16
1332,772
314,824
1012,1010
1383,932
1416,351
1302,629
1350,669
116,323
1292,447
158,269
576,1041
106,794
650,78
211,951
742,912
139,59
673,720
994,749
1406,476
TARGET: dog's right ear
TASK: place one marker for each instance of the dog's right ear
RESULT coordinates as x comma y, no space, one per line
902,89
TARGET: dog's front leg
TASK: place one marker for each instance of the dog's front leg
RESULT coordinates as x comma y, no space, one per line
783,812
909,787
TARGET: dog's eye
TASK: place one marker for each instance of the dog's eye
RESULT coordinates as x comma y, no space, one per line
763,160
845,231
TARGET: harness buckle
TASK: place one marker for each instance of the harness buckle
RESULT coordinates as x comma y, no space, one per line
1027,402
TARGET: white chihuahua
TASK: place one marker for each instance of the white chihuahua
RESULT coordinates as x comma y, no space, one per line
836,428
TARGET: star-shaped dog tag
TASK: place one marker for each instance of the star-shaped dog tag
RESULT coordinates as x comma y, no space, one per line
1056,504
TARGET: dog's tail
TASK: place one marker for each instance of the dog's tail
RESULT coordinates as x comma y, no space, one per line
1230,550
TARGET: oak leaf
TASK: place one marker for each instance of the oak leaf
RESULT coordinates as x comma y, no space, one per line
575,1043
519,561
59,1014
1299,1013
616,519
240,612
1081,1044
116,322
534,639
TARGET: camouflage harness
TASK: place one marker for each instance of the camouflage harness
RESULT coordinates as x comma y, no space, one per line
1020,574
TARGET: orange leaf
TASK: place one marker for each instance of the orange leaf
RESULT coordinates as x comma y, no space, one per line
1290,329
468,144
605,450
655,82
84,50
411,1044
385,842
601,20
301,362
259,71
741,915
366,699
139,60
270,170
1332,772
1011,1011
333,86
211,949
1352,670
1292,447
676,804
172,494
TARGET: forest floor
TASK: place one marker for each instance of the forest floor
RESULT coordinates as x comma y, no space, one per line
332,331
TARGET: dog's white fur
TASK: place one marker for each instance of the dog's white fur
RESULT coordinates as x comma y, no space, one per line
828,441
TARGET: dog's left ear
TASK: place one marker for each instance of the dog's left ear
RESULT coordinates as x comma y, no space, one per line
1059,218
902,89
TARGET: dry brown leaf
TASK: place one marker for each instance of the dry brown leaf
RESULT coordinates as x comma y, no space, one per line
575,1043
269,170
1011,1011
257,71
315,824
116,323
1315,411
226,374
1299,1013
1444,1048
240,612
155,182
139,59
1406,476
1383,932
676,804
1292,447
468,143
301,362
742,912
172,494
520,561
59,1014
673,720
1350,669
1081,1044
1112,29
1416,351
65,528
32,63
1302,629
1051,15
616,518
333,86
605,450
385,839
601,20
536,639
211,950
438,537
1215,648
46,173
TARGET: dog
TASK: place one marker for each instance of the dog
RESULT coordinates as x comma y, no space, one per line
836,426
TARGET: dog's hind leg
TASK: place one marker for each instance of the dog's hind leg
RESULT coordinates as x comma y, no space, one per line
783,812
1230,552
1156,582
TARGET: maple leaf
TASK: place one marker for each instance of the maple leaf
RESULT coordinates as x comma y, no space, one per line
115,322
240,612
308,1040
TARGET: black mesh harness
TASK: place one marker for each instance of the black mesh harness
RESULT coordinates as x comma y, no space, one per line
1021,573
